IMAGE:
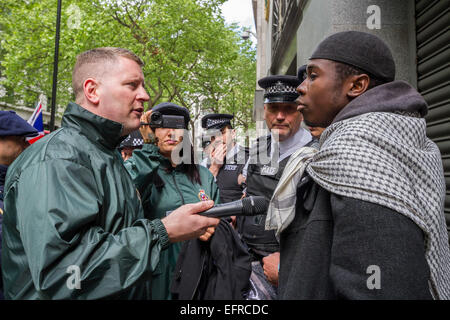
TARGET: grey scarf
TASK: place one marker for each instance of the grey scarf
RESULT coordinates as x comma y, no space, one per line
281,210
387,159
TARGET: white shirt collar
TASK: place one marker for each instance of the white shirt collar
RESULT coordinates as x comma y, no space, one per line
233,151
293,143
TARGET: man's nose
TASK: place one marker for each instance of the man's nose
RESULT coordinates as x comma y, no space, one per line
143,95
281,115
301,89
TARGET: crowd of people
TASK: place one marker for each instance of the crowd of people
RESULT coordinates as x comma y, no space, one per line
354,189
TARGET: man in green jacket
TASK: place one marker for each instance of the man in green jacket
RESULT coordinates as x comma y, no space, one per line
74,227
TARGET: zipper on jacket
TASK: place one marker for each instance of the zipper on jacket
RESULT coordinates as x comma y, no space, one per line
179,192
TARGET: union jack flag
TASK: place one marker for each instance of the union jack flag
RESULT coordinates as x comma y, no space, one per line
37,122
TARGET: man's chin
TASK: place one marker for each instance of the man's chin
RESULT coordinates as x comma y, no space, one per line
311,123
281,134
129,128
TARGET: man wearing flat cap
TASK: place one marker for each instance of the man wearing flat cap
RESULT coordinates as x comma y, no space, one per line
268,159
227,158
368,221
13,133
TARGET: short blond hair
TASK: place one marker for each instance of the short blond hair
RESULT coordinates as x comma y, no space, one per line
90,64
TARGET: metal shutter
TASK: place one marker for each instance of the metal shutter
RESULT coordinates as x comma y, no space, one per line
433,77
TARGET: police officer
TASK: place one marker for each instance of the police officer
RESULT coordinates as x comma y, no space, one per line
13,133
264,169
227,158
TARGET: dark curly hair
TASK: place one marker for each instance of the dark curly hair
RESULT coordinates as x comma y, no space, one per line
343,71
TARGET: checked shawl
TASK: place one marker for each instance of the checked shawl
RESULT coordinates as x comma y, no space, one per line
387,159
281,210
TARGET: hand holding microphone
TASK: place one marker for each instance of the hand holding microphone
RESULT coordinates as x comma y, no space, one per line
251,206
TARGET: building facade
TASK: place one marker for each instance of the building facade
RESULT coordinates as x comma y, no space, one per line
417,31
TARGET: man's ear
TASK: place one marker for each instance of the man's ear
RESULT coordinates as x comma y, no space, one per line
90,88
358,85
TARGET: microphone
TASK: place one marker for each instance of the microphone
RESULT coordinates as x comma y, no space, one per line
250,206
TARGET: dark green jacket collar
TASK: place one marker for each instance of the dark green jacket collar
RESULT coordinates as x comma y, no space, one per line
152,152
98,129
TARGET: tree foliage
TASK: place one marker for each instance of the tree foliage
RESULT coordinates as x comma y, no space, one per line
191,56
28,41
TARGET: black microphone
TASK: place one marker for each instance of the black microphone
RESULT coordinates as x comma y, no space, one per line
250,206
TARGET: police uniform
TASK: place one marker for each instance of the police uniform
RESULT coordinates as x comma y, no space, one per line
234,162
262,178
10,125
133,140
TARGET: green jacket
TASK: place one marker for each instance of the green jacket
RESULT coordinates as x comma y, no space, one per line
72,213
176,189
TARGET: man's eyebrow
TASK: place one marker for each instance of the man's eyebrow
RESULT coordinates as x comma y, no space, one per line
128,79
310,67
136,79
